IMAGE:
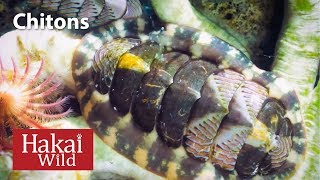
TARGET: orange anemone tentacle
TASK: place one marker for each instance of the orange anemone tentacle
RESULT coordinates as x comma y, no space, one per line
55,105
41,86
25,102
48,116
15,71
46,92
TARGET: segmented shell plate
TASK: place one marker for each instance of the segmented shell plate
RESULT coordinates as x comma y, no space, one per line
98,12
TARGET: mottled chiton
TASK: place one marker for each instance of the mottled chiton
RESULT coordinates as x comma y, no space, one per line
176,101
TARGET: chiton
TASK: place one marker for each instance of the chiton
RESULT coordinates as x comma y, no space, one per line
183,104
98,12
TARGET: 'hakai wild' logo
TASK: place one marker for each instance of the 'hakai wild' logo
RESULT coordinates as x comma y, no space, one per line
53,149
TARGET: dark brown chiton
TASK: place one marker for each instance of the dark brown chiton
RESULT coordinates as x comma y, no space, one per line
179,100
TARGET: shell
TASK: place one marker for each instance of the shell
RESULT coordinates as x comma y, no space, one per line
208,102
98,12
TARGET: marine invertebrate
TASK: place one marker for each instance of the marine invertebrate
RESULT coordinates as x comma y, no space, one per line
103,81
175,110
26,100
296,56
98,12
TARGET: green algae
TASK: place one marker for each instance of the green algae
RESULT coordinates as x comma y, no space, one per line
303,5
312,121
297,60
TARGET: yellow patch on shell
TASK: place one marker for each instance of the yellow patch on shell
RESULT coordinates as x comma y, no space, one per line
141,157
133,62
172,171
87,109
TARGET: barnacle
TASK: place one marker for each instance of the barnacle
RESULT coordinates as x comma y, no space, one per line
26,100
180,99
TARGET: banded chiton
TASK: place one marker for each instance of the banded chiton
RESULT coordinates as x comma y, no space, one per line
98,12
176,101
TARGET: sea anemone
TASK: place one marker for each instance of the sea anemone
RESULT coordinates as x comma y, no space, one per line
27,100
